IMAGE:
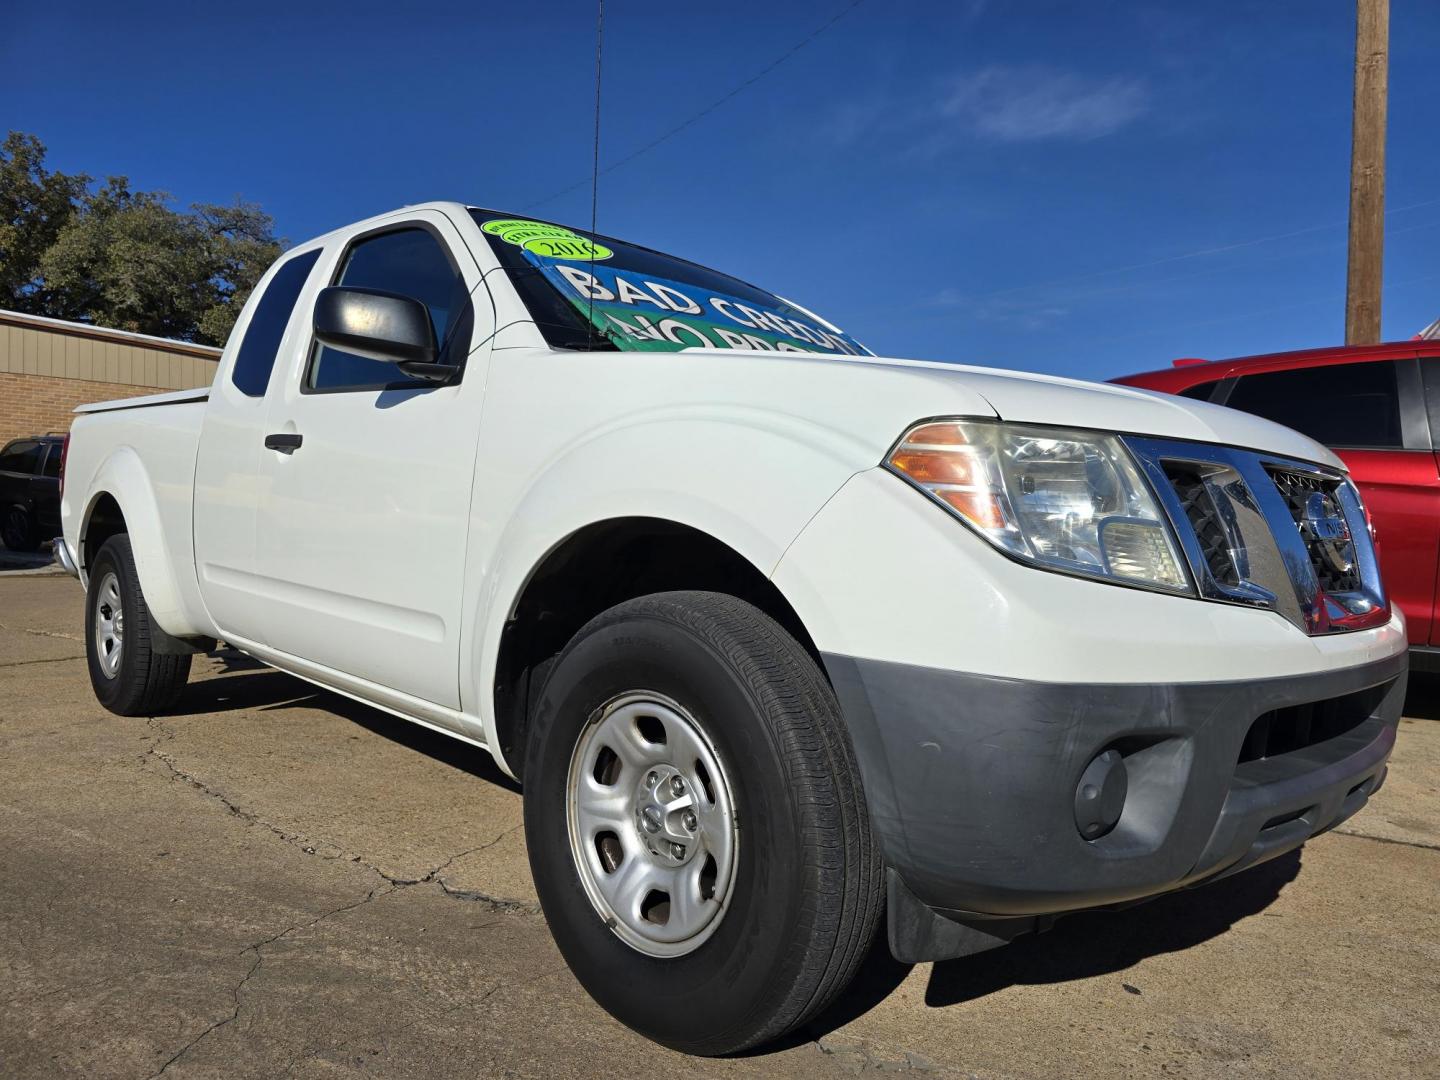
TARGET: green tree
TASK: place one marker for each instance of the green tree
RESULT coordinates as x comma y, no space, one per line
241,245
126,259
35,205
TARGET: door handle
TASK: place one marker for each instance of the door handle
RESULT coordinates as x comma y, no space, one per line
286,444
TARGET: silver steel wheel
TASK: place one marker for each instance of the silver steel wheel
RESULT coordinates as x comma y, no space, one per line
652,824
109,625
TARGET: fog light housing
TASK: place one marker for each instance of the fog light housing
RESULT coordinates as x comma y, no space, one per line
1100,795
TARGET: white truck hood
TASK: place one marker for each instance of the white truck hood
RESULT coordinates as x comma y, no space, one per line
888,394
1048,399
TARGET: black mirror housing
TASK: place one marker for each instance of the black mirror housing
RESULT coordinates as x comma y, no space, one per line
377,325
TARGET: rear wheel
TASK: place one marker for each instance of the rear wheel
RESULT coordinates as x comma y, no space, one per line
696,825
17,529
128,676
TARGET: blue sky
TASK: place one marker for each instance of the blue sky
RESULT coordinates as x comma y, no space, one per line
1087,189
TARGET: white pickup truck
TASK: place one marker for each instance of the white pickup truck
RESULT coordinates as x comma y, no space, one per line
778,635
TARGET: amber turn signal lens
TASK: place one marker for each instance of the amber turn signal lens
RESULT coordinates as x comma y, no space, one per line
939,458
980,507
935,466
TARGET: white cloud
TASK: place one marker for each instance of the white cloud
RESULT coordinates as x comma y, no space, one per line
1007,311
851,121
1018,104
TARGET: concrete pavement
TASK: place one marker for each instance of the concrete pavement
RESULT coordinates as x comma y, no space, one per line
276,881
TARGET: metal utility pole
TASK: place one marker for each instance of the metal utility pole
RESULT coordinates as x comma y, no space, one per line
1367,173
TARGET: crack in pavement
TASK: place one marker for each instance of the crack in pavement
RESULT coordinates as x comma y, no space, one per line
385,1034
377,891
90,987
46,660
218,1024
392,882
1421,844
165,734
43,633
434,873
392,885
307,844
857,1058
498,903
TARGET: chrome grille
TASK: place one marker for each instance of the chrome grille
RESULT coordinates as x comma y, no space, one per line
1312,498
1212,532
1269,532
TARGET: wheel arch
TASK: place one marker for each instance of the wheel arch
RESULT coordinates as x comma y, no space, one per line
103,519
594,568
122,499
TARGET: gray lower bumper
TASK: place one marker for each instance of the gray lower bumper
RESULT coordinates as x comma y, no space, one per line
972,780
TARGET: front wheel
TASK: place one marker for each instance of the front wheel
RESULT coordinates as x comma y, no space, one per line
696,824
128,676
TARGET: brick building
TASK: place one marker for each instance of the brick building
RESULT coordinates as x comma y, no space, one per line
48,366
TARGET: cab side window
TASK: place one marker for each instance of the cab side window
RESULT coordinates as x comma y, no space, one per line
411,262
1345,405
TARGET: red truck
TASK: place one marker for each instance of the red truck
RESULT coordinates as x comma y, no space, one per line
1378,408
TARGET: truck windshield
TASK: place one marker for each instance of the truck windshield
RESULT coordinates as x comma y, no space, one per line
607,294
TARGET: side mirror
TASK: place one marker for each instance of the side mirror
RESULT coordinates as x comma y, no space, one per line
380,326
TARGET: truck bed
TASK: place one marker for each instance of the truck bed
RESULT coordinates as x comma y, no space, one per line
173,397
143,456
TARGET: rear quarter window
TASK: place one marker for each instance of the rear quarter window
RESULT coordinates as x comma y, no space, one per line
258,349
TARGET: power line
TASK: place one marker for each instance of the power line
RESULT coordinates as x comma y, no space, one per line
1112,290
1201,253
1254,314
697,117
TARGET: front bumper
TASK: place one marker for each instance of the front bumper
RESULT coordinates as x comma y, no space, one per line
972,779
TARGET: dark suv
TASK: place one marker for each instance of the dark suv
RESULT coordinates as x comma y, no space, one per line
30,491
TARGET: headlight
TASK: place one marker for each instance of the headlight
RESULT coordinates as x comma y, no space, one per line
1067,500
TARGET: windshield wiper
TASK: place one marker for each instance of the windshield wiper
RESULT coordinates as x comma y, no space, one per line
591,344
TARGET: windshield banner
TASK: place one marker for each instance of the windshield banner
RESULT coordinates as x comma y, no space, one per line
642,312
647,313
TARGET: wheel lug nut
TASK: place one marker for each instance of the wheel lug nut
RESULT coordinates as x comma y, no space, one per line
651,780
689,820
677,850
677,786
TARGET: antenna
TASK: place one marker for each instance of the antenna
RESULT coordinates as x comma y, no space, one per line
697,117
595,162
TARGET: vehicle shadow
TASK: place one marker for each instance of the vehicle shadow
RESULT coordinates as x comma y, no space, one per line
1422,696
1078,947
247,684
41,559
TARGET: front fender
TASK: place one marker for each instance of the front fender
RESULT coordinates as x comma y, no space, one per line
750,481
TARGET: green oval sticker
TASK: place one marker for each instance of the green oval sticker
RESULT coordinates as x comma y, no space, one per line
547,241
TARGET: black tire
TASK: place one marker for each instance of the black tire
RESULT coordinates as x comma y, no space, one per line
145,682
17,529
807,885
